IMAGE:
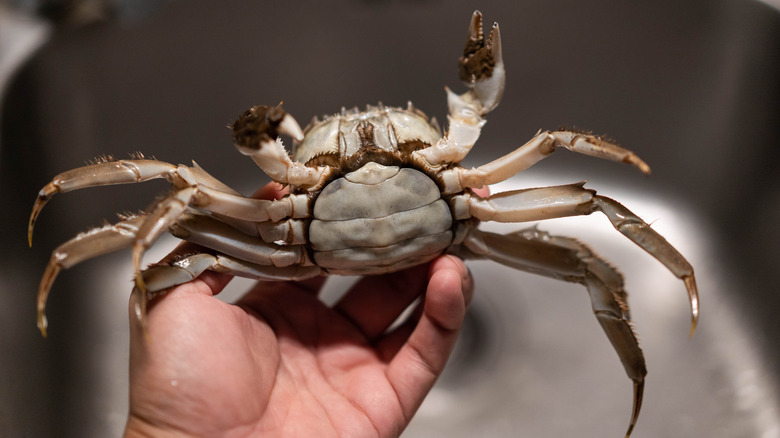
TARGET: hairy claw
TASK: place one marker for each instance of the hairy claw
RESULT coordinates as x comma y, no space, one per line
480,57
482,68
261,124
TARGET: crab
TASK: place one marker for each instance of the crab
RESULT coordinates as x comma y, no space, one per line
371,192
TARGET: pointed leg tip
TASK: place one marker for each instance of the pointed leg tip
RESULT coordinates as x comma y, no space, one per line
30,227
637,162
694,324
43,324
43,293
140,318
639,389
33,217
144,328
643,167
693,297
139,281
140,301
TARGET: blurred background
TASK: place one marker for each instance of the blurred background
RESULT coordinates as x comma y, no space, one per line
693,87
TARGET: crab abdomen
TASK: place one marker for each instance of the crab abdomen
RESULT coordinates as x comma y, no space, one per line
379,219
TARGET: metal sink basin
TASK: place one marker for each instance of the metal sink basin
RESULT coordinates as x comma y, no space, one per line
692,87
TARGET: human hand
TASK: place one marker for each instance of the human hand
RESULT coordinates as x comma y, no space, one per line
281,363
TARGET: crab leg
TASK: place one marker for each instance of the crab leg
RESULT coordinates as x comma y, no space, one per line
160,277
250,209
199,189
212,233
207,231
142,231
575,200
124,172
99,174
482,69
84,246
541,146
173,209
566,259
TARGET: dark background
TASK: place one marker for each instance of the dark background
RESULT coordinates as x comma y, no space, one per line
692,87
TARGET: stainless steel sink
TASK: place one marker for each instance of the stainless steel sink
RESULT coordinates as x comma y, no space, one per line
692,87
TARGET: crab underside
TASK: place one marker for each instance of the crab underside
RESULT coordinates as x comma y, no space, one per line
374,191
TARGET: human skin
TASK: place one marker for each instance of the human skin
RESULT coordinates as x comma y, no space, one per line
279,362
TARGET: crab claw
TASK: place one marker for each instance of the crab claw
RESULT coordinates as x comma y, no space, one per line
256,134
482,65
263,124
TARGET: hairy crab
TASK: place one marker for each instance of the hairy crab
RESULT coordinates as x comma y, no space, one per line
374,191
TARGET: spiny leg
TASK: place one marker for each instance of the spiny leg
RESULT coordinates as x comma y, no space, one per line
99,174
574,200
541,146
162,276
176,206
212,233
481,68
256,134
567,259
255,242
132,171
141,231
196,188
245,209
633,227
84,246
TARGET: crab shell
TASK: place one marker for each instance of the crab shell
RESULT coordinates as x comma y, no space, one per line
380,216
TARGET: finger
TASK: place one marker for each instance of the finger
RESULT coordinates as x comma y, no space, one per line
375,302
391,343
272,190
413,371
215,282
483,191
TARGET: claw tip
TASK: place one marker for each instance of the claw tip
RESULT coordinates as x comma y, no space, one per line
291,127
475,26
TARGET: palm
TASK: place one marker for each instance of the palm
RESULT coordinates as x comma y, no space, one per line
280,362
